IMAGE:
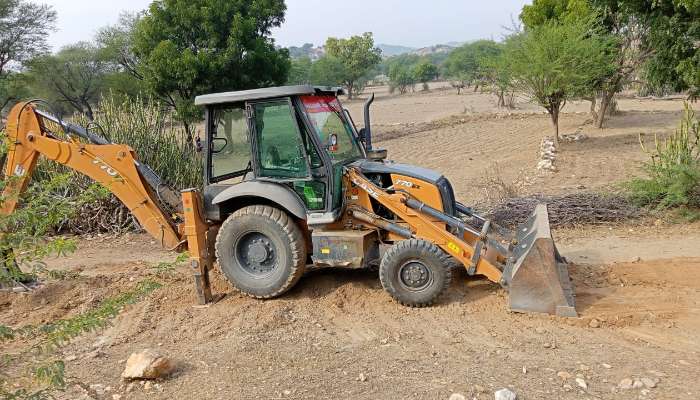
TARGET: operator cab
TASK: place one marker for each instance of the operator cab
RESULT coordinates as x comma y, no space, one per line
287,145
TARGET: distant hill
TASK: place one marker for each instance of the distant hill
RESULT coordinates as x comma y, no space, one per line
437,49
389,50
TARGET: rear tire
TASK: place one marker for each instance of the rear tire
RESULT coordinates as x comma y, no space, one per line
415,272
261,250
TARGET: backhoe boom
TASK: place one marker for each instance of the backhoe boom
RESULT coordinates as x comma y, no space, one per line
115,167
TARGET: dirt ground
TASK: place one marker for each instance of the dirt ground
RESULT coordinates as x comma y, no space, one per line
338,335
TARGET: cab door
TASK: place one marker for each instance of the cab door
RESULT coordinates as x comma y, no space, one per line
283,153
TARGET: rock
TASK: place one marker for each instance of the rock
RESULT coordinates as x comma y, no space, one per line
116,397
130,387
644,392
594,323
568,388
147,364
505,394
582,383
563,375
606,366
362,377
625,384
70,357
637,384
98,388
648,382
457,396
147,386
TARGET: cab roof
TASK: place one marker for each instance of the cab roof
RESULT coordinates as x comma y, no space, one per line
265,93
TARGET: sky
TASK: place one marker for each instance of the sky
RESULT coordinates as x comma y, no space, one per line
413,23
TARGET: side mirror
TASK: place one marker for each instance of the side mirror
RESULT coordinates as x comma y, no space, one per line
332,142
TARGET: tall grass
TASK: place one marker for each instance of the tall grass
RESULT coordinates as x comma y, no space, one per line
673,171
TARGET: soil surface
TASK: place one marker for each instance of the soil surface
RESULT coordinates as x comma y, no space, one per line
337,334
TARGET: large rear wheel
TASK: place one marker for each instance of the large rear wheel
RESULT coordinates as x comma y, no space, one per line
415,272
261,250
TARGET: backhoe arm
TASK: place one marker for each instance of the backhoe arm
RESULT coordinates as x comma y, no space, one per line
115,167
112,165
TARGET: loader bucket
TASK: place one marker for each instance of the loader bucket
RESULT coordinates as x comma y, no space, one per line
536,275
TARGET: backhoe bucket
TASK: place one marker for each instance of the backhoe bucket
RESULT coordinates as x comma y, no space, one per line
536,275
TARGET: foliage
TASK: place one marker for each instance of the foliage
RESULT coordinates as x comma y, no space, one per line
24,28
425,72
555,62
468,63
300,71
23,242
562,11
328,71
73,77
190,47
358,56
674,169
672,32
401,78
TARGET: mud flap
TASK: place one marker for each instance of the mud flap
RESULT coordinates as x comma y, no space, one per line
536,276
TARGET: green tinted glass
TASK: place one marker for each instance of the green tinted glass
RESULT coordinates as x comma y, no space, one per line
280,148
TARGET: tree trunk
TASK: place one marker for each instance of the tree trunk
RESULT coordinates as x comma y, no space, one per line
88,112
350,91
604,104
554,114
594,114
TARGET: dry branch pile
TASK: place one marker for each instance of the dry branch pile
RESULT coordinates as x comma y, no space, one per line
568,210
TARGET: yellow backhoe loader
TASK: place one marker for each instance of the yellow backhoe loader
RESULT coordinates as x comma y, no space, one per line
290,182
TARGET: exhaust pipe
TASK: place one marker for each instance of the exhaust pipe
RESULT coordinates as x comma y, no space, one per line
368,126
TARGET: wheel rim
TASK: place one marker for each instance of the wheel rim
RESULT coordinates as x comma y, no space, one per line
256,253
415,276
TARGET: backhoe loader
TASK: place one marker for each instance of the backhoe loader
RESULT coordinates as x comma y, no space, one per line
289,182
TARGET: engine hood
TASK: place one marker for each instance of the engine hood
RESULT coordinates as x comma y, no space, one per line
390,167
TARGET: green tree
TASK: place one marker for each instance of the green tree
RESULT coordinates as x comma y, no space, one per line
670,34
73,77
24,28
191,47
401,78
328,71
564,11
300,71
425,72
357,54
465,64
553,63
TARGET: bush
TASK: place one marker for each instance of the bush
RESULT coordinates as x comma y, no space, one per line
674,169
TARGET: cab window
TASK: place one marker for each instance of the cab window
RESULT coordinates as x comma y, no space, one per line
229,143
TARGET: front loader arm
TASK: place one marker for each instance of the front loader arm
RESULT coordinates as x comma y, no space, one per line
423,227
115,167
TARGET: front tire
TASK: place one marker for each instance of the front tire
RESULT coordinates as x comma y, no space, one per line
261,250
415,272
